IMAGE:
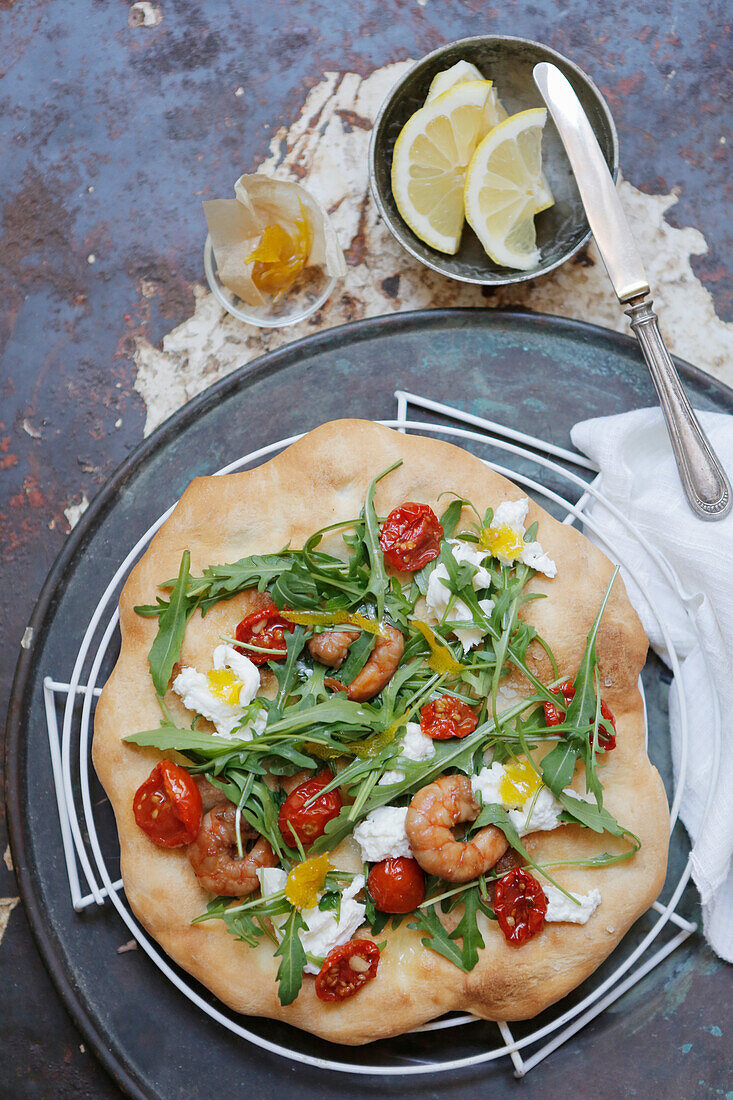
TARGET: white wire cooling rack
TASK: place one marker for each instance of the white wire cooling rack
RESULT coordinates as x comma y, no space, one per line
70,748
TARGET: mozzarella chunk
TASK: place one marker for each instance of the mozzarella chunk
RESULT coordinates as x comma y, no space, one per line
468,551
437,598
560,908
272,879
415,746
381,835
439,595
323,931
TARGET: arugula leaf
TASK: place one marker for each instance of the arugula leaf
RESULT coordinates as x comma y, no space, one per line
166,648
558,766
493,814
437,938
378,580
582,709
450,517
591,815
359,653
468,930
293,959
171,737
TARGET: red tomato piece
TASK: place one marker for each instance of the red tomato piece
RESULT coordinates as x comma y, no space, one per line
167,806
308,822
447,717
397,885
520,906
346,969
554,715
264,628
410,537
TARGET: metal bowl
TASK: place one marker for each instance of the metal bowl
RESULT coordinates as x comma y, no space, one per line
563,229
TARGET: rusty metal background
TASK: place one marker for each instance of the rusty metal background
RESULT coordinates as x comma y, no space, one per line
110,135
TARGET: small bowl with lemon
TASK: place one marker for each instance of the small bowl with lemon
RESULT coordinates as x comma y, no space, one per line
467,169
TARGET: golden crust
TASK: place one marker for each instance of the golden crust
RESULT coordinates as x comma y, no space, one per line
321,479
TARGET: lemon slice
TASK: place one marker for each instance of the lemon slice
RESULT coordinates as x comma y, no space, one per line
430,159
457,74
494,112
505,188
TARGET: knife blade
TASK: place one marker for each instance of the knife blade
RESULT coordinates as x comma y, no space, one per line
595,183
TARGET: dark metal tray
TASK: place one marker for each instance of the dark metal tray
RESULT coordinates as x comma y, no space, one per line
537,373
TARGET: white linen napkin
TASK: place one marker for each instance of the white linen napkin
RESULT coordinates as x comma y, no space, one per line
638,474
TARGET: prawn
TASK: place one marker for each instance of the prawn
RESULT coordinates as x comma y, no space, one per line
213,854
381,666
431,816
331,649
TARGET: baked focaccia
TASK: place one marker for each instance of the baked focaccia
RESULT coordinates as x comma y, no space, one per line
375,743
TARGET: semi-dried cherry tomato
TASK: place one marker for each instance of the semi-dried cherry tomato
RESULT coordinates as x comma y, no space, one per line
447,717
520,906
167,806
308,822
410,537
397,885
268,636
346,969
554,715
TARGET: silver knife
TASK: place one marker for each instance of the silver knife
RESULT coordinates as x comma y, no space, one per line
703,478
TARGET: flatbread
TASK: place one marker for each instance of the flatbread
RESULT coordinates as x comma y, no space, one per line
317,481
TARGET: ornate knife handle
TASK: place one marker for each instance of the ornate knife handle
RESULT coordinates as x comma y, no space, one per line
703,478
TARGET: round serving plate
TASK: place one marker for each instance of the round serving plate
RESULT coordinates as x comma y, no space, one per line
532,373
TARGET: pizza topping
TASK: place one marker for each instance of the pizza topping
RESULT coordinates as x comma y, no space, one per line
503,785
346,970
576,909
381,835
431,818
167,806
224,693
306,881
441,660
520,906
262,637
555,715
504,538
397,885
415,746
410,537
219,855
519,782
335,618
447,717
306,811
443,604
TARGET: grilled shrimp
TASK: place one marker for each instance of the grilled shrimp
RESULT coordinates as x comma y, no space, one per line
433,812
213,854
381,666
331,648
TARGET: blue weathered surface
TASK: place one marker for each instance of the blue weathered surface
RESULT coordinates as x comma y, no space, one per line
110,137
